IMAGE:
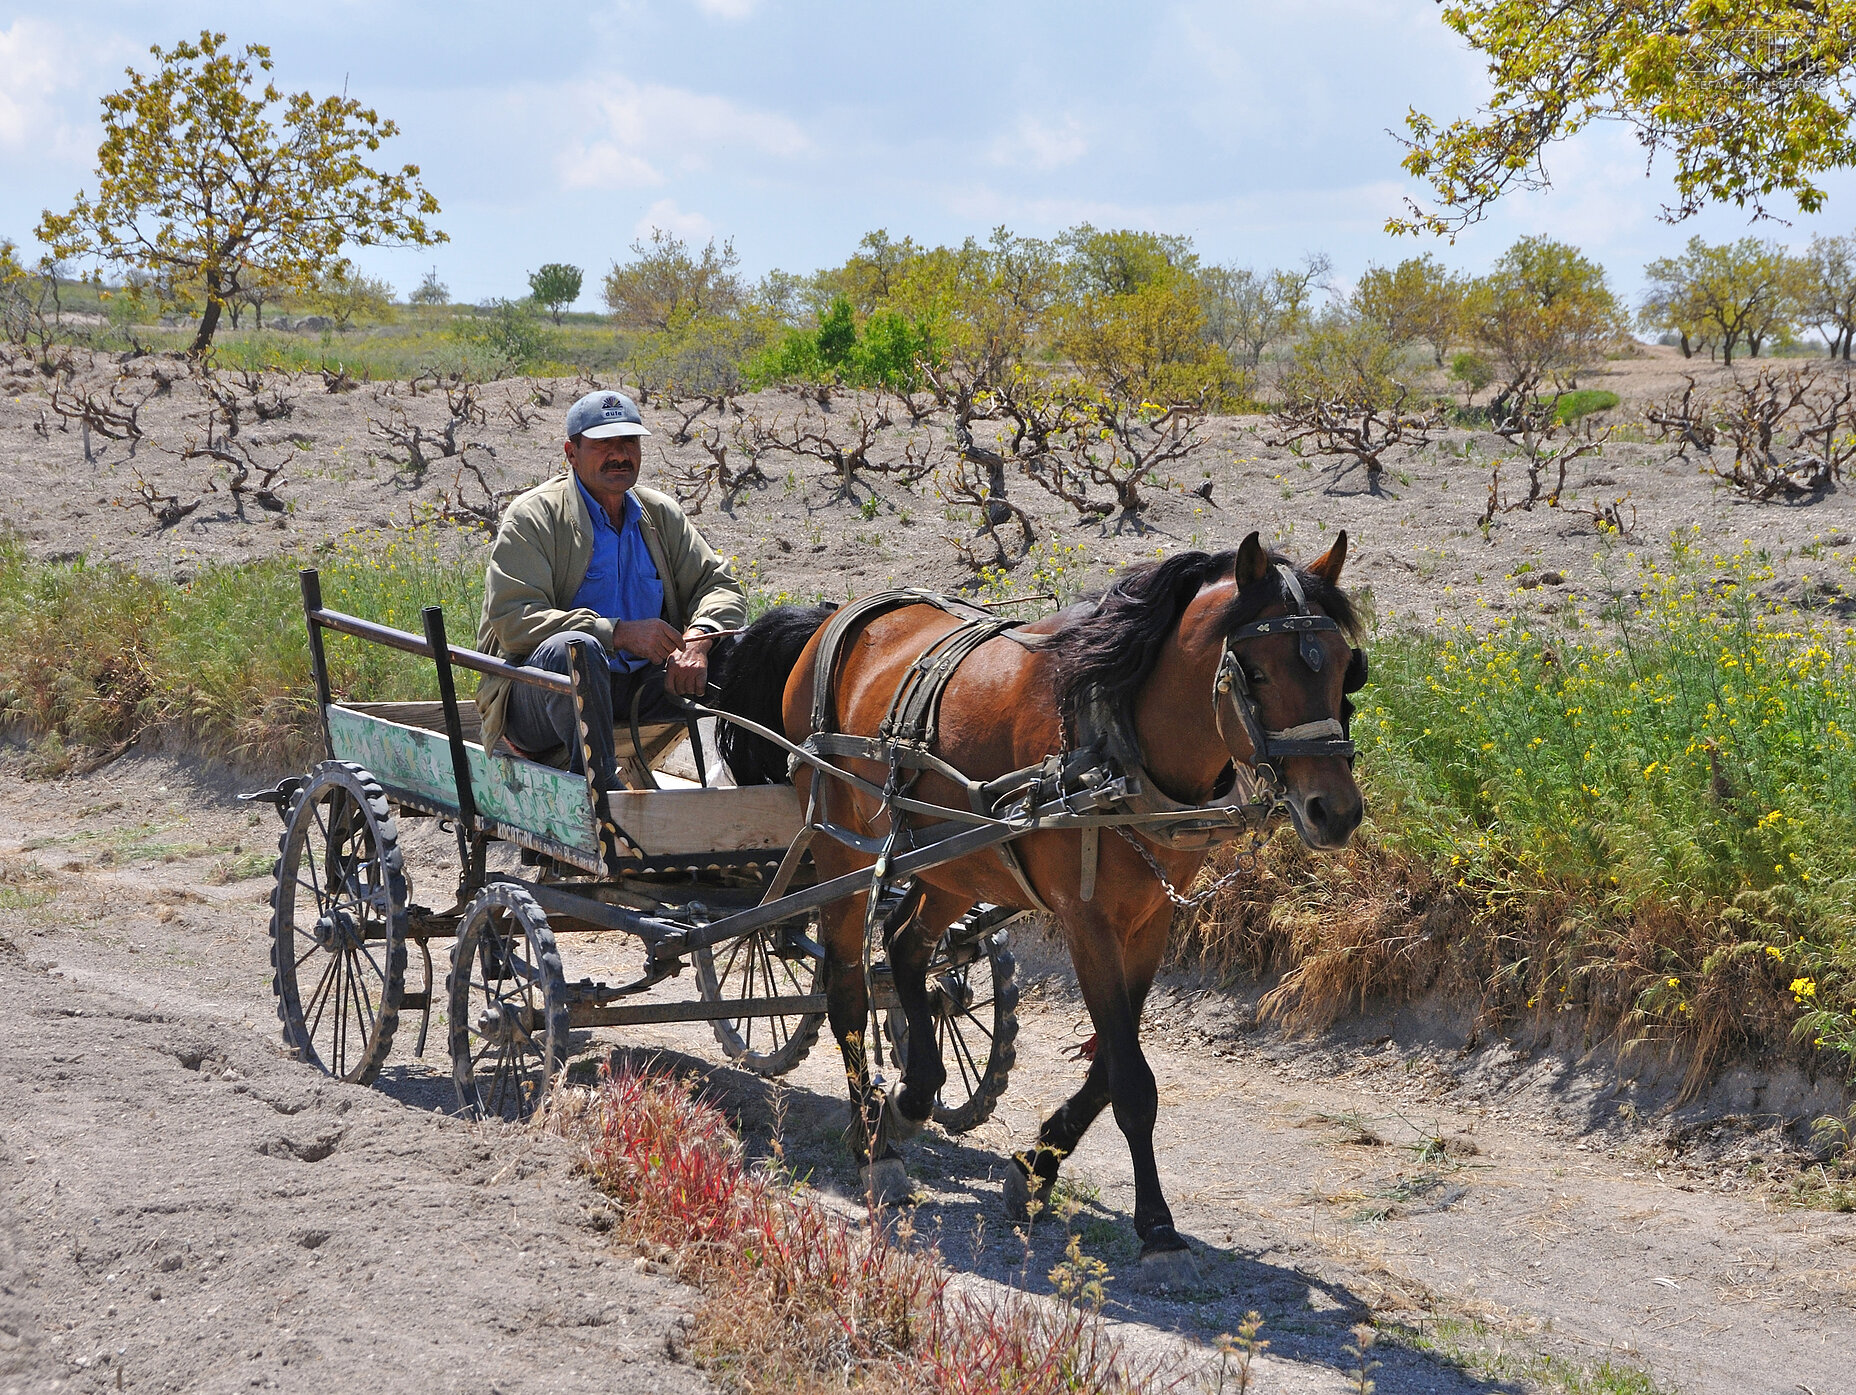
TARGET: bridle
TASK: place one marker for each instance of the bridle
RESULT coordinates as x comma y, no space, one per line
1234,705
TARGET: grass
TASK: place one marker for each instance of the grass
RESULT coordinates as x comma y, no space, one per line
94,654
1485,1352
797,1299
1650,826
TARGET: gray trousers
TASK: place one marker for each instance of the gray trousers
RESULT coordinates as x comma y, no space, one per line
541,722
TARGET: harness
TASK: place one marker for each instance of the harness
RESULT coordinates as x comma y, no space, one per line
1102,777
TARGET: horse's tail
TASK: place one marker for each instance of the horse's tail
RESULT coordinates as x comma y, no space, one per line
753,683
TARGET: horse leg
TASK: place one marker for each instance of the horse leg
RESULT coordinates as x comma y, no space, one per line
1115,981
847,1005
910,939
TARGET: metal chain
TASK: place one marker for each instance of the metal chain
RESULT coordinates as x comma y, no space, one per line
1246,865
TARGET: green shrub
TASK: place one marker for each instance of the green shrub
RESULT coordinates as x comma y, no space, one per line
1473,371
1568,407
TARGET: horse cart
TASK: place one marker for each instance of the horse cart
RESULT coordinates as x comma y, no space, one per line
715,880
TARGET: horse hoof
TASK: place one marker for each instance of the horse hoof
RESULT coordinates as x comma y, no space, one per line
897,1126
886,1182
1166,1271
1019,1196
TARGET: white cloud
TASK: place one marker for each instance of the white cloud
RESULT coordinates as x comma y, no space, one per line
646,131
728,9
691,227
44,70
1041,145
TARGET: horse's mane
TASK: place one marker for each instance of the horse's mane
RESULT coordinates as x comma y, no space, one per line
1108,651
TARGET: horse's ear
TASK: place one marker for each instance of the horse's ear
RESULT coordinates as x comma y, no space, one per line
1328,565
1253,563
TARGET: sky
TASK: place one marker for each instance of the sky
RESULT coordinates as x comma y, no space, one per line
564,132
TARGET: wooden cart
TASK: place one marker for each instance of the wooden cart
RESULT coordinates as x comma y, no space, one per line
715,879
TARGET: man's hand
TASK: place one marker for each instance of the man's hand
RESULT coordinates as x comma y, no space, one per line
651,640
686,674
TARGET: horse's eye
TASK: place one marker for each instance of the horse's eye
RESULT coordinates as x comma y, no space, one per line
1254,675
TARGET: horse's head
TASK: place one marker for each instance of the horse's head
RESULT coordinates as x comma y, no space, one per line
1283,644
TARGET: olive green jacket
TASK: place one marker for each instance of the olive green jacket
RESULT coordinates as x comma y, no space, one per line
540,557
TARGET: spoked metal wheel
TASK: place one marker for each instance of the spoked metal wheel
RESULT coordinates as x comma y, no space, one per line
973,992
338,923
781,961
508,1005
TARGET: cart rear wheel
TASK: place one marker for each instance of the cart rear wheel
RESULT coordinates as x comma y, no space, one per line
508,1005
972,986
338,923
780,961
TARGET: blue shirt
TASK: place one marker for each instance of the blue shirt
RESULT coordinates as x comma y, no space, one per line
621,581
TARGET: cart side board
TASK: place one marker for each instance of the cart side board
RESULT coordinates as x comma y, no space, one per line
517,794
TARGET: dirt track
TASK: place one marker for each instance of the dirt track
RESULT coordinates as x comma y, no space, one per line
154,1141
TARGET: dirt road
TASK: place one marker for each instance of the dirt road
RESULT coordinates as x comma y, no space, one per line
186,1209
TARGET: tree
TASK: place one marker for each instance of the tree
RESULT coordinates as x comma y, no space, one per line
1247,311
1739,292
197,181
1121,261
556,286
431,291
664,282
1546,311
344,294
1749,98
1417,299
1827,291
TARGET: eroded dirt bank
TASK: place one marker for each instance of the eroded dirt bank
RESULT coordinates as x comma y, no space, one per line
185,1206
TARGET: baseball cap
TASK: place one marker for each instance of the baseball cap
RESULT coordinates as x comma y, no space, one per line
601,414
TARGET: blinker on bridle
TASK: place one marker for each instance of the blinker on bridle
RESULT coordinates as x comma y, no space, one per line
1231,689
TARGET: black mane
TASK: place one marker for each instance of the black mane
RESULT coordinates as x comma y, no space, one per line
1109,651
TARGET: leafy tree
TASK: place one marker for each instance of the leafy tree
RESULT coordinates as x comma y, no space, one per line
1342,361
345,295
431,291
1417,299
1122,261
1741,292
1148,343
664,281
1749,98
1247,311
1827,290
1545,311
556,286
197,181
837,334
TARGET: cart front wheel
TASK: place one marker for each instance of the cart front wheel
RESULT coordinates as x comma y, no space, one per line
338,923
781,961
507,1006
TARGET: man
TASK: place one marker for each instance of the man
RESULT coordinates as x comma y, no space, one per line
590,559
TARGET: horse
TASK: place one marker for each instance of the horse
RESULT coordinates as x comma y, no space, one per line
1153,652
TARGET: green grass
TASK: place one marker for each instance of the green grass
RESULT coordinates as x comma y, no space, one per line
1490,1355
95,653
1672,796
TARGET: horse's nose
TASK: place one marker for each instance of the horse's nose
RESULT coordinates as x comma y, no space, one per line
1333,819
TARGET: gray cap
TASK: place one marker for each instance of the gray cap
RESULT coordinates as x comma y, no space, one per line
601,414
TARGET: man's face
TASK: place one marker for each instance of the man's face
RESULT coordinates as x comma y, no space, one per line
606,467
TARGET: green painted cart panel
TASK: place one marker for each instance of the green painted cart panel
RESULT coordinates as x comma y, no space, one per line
521,794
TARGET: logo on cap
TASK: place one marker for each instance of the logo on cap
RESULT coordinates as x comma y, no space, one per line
610,404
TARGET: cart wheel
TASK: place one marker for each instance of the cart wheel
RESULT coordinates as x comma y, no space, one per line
780,961
508,1005
338,923
973,990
